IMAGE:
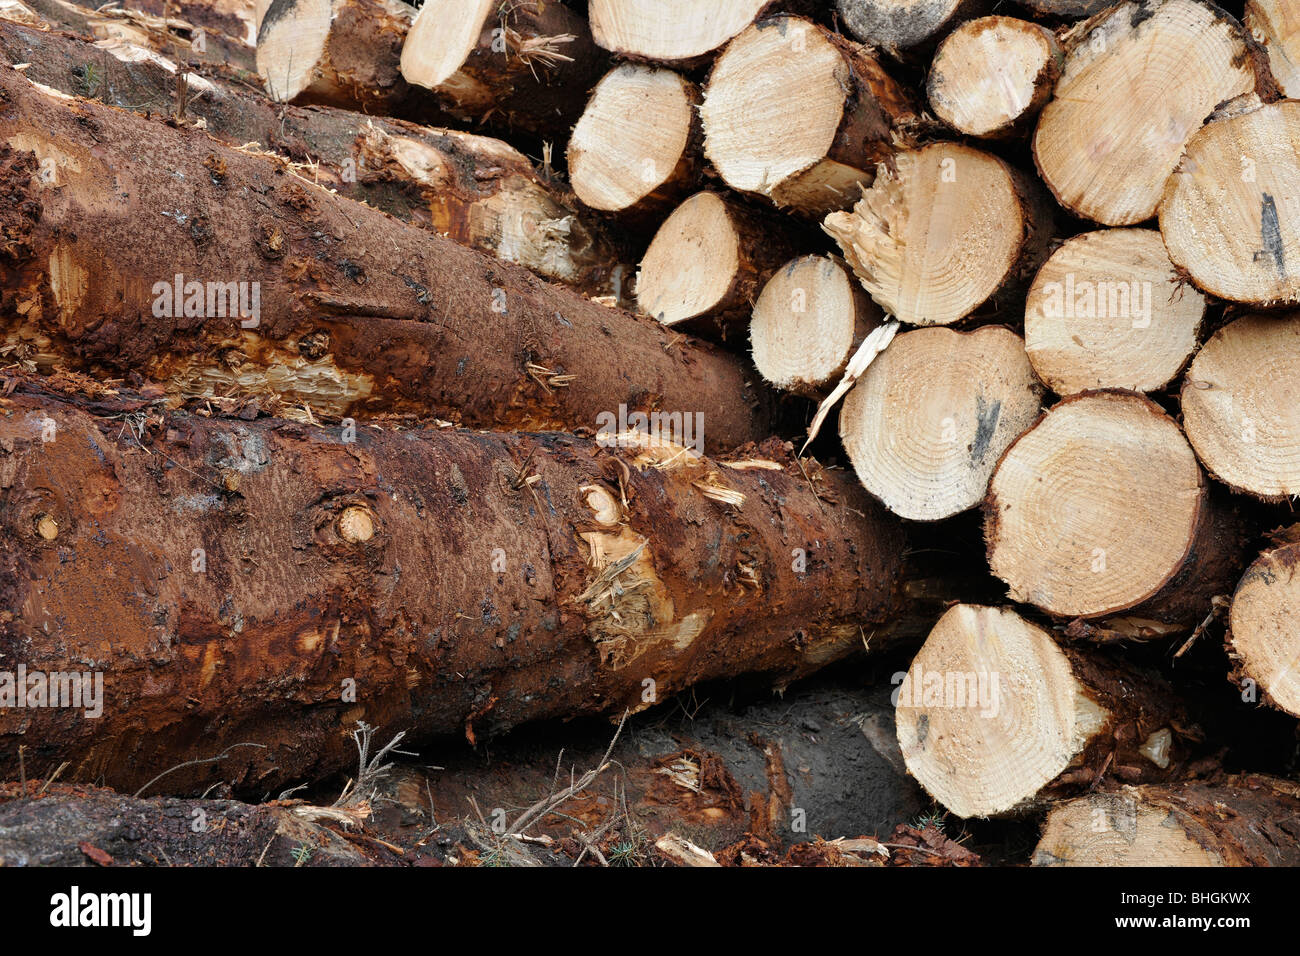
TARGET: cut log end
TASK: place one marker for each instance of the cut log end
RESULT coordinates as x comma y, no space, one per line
1230,212
633,139
643,30
1165,66
441,39
991,75
899,25
290,46
806,324
1108,310
990,711
935,237
1241,405
1237,821
708,259
1263,638
1276,24
928,421
1096,508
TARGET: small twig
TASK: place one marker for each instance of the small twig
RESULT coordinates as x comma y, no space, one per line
195,763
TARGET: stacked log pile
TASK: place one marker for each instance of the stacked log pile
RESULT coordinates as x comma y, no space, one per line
447,367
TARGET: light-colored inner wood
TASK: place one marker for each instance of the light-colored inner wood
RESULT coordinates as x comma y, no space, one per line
1108,310
773,104
1095,507
804,323
989,756
1117,829
631,136
669,29
691,263
289,49
442,37
989,67
933,240
1241,404
927,422
1265,626
1231,212
1126,104
1276,24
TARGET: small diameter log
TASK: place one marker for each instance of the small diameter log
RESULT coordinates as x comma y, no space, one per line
931,416
527,64
1249,820
669,31
991,76
1276,25
1108,310
896,26
1241,406
1263,637
494,579
1165,65
709,259
941,231
994,714
800,115
633,150
338,52
808,321
285,290
478,191
1230,214
1102,508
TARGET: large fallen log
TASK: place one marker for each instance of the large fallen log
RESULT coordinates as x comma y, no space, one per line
1165,65
479,191
225,273
1248,820
271,583
993,714
1101,510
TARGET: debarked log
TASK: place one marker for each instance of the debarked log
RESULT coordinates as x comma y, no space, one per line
271,583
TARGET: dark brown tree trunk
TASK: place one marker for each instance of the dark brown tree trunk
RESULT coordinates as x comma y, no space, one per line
355,312
272,583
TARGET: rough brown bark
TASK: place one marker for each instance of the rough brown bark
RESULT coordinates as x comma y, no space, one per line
358,312
274,583
1248,820
526,64
474,189
203,34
